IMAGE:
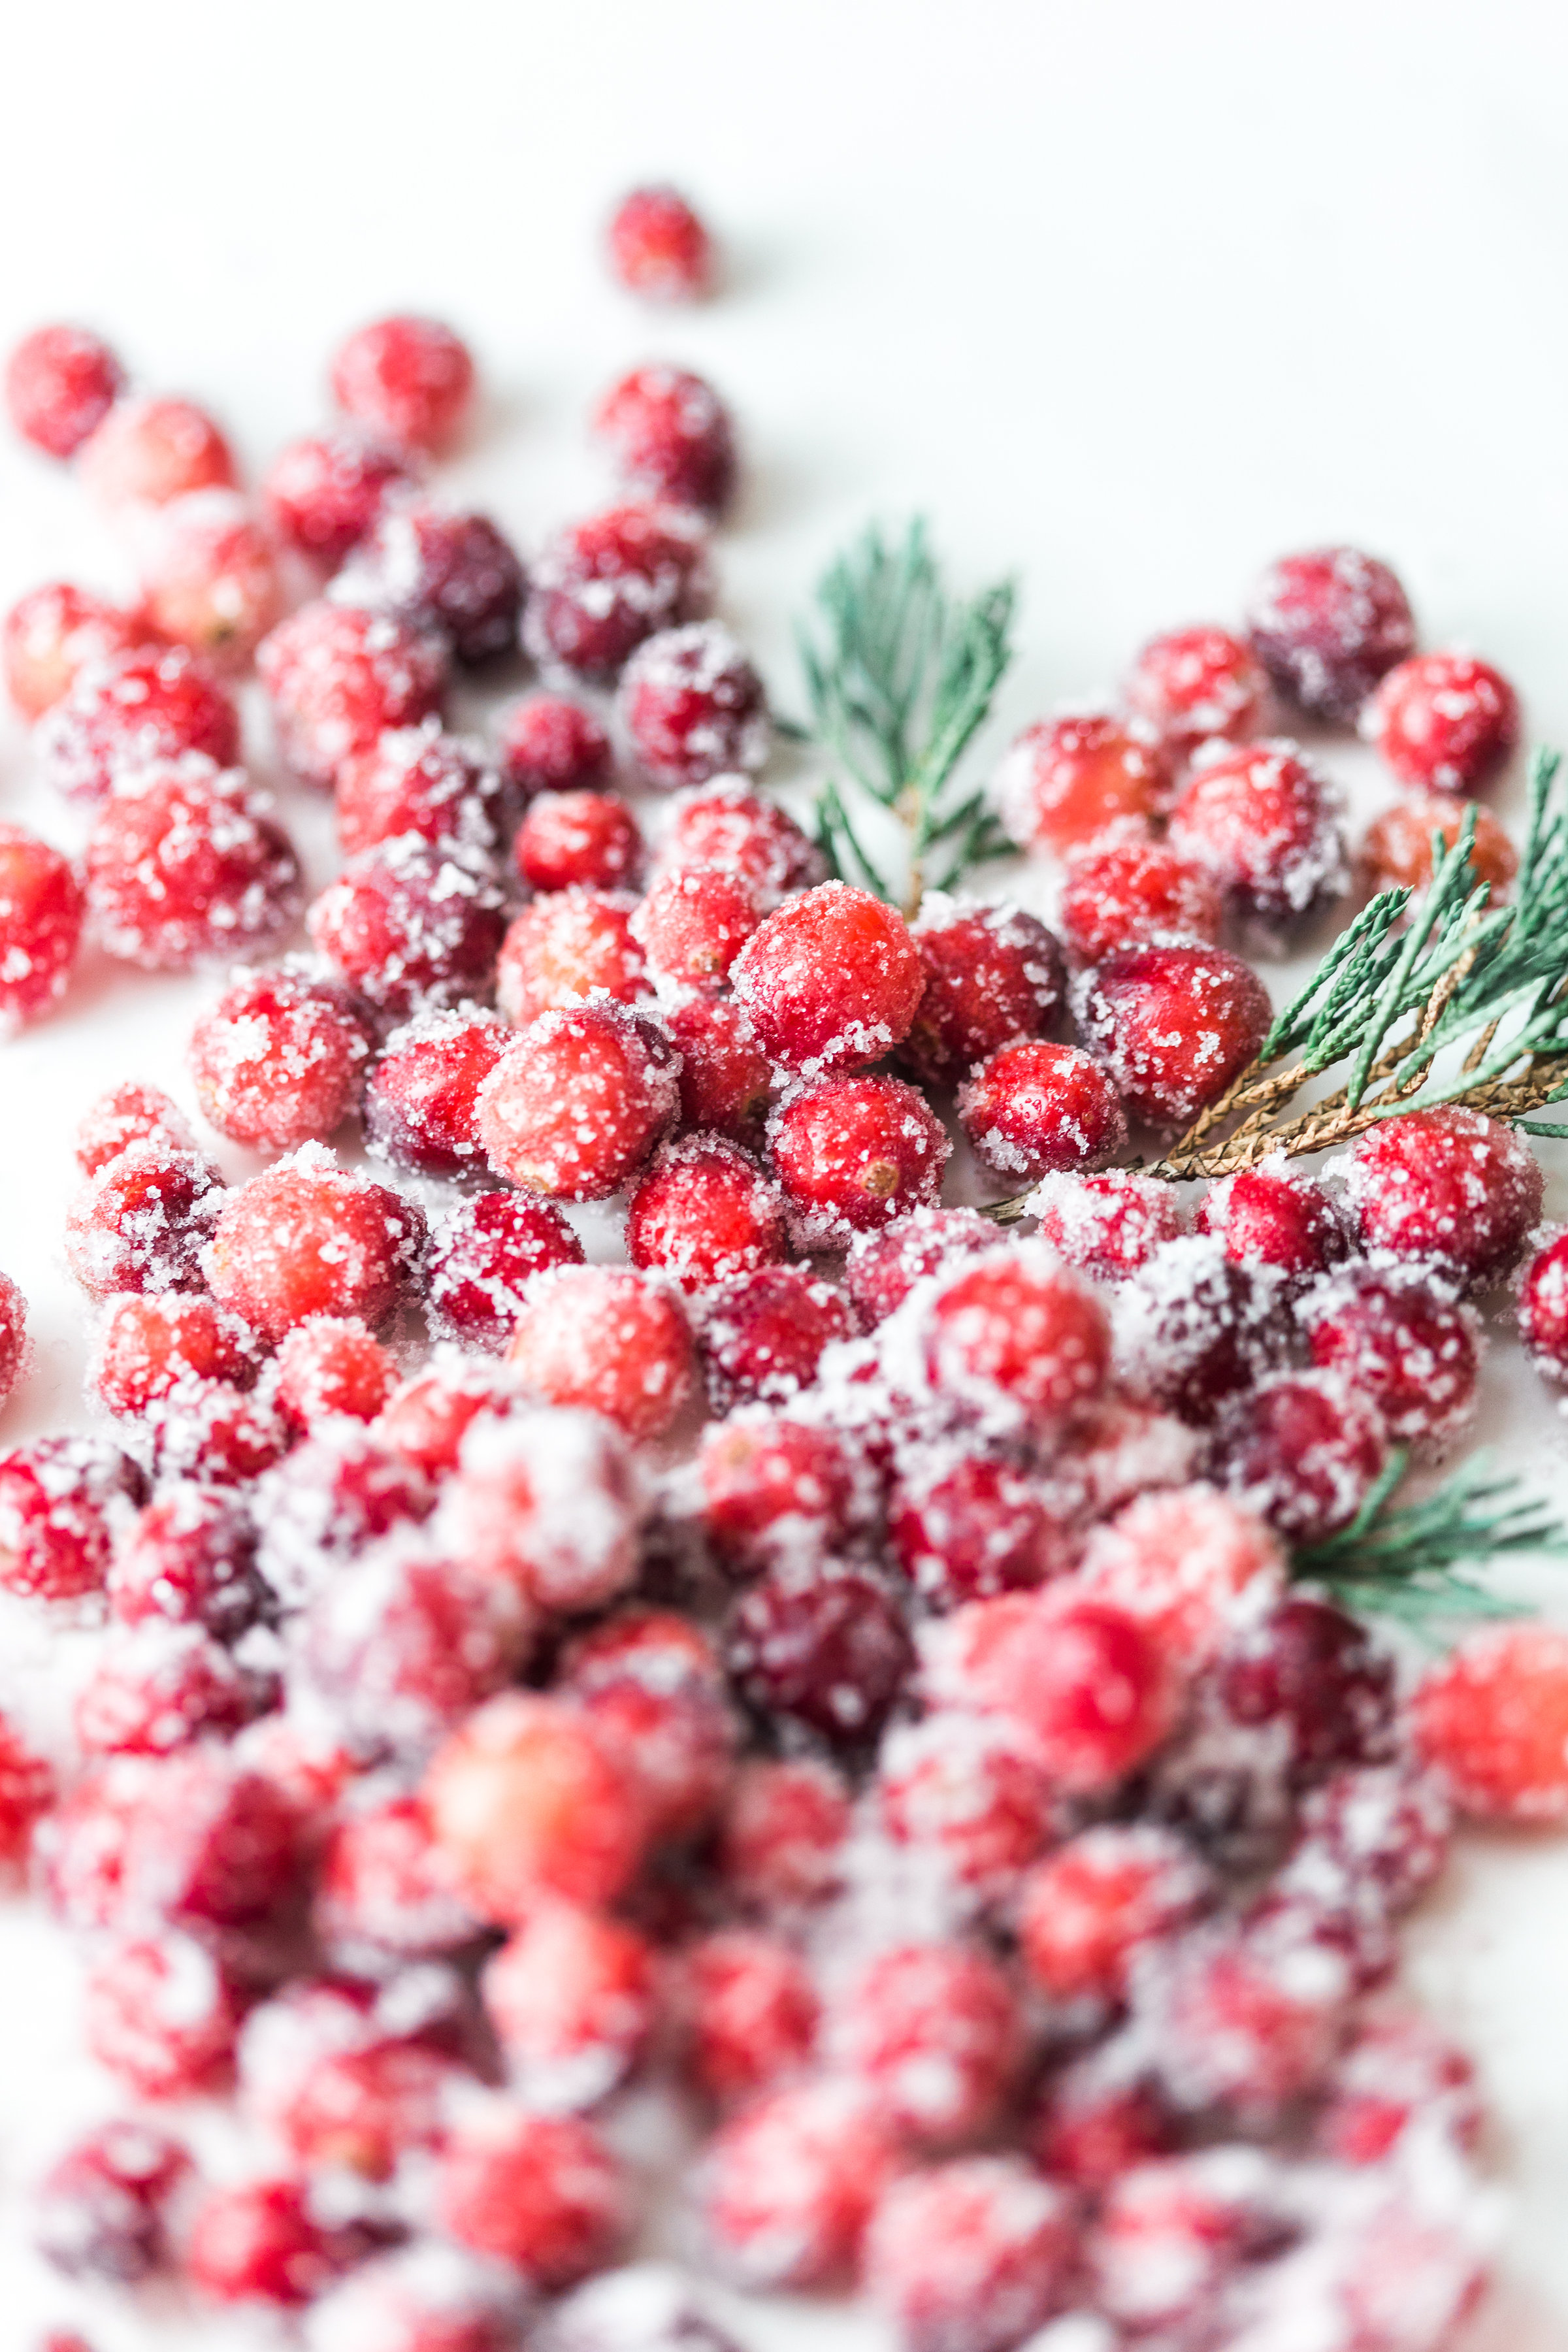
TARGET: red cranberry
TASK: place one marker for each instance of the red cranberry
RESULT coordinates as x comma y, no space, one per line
590,839
280,1059
1444,722
26,1793
658,247
260,2242
653,1686
993,975
724,1074
962,1530
1302,1450
853,1153
566,946
1086,1910
337,679
60,383
453,576
383,1890
151,1343
1126,891
1035,1109
541,2192
208,574
146,705
788,2187
331,1364
330,1499
703,1211
761,1335
60,1501
409,925
187,864
935,2031
1403,1344
1109,1224
420,779
968,1793
159,1688
1170,2235
140,1222
427,1418
831,981
1396,852
1398,2069
577,1104
775,1490
307,1238
52,634
147,452
822,1647
214,1432
162,2017
1450,1187
1247,2026
1065,779
13,1335
571,1998
1174,1025
1019,1338
729,826
41,907
693,706
548,1504
1192,1327
750,2014
428,2298
1266,1217
600,587
1492,1720
483,1254
132,1112
782,1835
210,1846
1382,1834
421,1098
410,378
1318,1675
1327,625
884,1265
551,745
1268,827
670,437
188,1558
1103,2114
693,924
1180,1561
325,492
971,2256
609,1340
328,2081
1194,683
99,2213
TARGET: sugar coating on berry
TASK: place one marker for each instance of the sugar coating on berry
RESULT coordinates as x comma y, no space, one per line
187,865
1266,1216
965,1794
1397,850
822,1649
278,1060
577,1104
63,1500
410,378
1268,826
421,1097
935,2029
452,575
1492,1718
568,946
693,924
383,1890
549,744
1035,1109
584,837
853,1153
333,1493
426,1419
599,588
971,2256
323,493
1327,625
725,1076
411,926
338,677
421,779
705,1209
159,1686
728,824
1087,1908
1194,684
1065,779
782,1839
761,1335
307,1238
571,1997
332,1364
1126,890
1450,1187
1446,722
188,1556
788,2187
1017,1338
161,2017
1402,1341
42,906
658,247
54,633
482,1256
149,1343
670,437
831,981
424,2297
147,452
1109,1223
1192,1327
963,1529
884,1265
60,383
132,1112
1302,1450
609,1339
140,1222
693,706
1190,1564
149,704
1172,1025
548,1502
993,974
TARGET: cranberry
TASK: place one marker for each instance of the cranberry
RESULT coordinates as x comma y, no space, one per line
339,2085
421,1098
1268,827
402,1646
1124,890
325,492
188,1558
571,1997
132,1112
1103,2114
658,247
548,1504
1319,1678
1173,1026
693,706
139,1223
936,2031
147,452
577,1104
1398,2069
162,2017
750,2014
211,1846
670,437
1035,1109
1196,683
214,1432
187,864
41,907
26,1793
331,1364
307,1238
600,587
1302,1450
652,1685
61,1499
410,378
482,1256
280,1059
1327,625
339,677
149,1343
427,1418
1087,1909
384,1890
99,2213
729,826
1170,2234
693,924
210,577
451,575
724,1074
884,1265
969,1794
763,1334
526,1800
1492,1720
831,981
704,1210
420,779
971,2256
774,1490
821,1646
1245,2026
542,2192
781,1845
331,1497
1181,1562
993,975
1450,1187
566,946
1403,1344
60,383
13,1335
789,2186
1267,1218
1018,1338
410,926
1369,1838
965,1530
590,839
551,745
1065,779
1444,722
151,704
1192,1327
260,2242
1396,852
52,634
855,1153
160,1687
610,1340
1109,1224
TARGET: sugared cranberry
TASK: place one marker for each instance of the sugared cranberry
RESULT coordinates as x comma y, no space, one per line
571,1998
278,1060
653,1687
1444,722
1374,1837
410,926
1103,2114
140,1222
1268,827
13,1335
589,839
1396,852
151,1342
337,2088
525,1800
971,2256
788,2187
338,678
724,1074
147,452
99,2213
1109,1224
693,924
1127,891
1035,1109
821,1646
761,1335
993,975
1170,2235
421,1098
427,2297
331,1364
211,1845
410,378
61,1499
855,1153
935,2029
1018,1338
566,946
1319,1678
729,826
188,1558
1065,779
831,981
1195,684
1403,1343
483,1254
420,779
750,2014
1180,1561
262,2242
781,1845
551,745
187,864
1327,625
968,1793
1087,1908
1302,1450
132,1112
426,1420
577,1104
54,633
162,2017
325,492
1399,2068
146,705
453,576
214,1432
670,437
326,1502
693,706
541,2192
884,1265
774,1490
1248,2026
384,1890
703,1211
159,1688
547,1503
1192,1327
41,909
600,587
658,247
607,1340
60,383
1266,1217
1492,1718
307,1238
208,574
1448,1187
1173,1024
26,1792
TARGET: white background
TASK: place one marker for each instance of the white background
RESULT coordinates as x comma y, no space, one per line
1127,298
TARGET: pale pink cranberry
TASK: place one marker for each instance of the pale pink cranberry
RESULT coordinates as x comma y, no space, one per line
1444,722
332,1364
599,588
659,248
1087,1910
1173,1026
967,1528
884,1265
1197,683
60,383
147,452
452,575
280,1059
410,378
704,1210
325,492
187,865
1301,1449
821,1646
142,1222
541,2192
150,704
590,839
1065,779
788,2187
1268,827
575,1108
761,1335
261,2241
936,2031
61,1499
308,1238
482,1256
1035,1109
162,2017
208,572
337,679
730,825
1019,1338
1181,1562
1108,1225
99,2213
693,706
1399,2070
1396,850
1125,891
410,926
853,1153
149,1343
610,1340
750,2014
725,1076
993,975
421,779
572,1999
781,1838
566,946
54,633
1170,2235
41,911
421,1097
693,924
1492,1718
968,1793
1450,1188
1327,625
548,1504
549,744
670,437
971,2256
189,1557
132,1112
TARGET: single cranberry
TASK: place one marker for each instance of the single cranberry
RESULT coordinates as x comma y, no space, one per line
327,1502
262,2242
884,1264
540,2192
99,2211
483,1254
160,1687
1300,1449
653,1687
1372,1837
151,1343
27,1794
831,981
670,437
571,1997
1268,827
576,1105
693,706
1192,1327
132,1112
208,574
1018,1338
1087,1909
967,1793
421,1098
1320,1678
307,1238
150,704
1403,1344
1124,890
551,745
1108,1225
659,248
187,864
427,1418
775,1490
426,2297
162,2017
210,1845
1444,722
750,2014
526,1800
966,1529
142,1222
1327,625
421,779
935,2029
1173,1026
782,1840
788,2187
1103,2113
451,575
41,910
589,839
823,1648
546,1503
52,634
60,383
331,1364
410,926
338,677
13,1335
410,378
566,946
1189,1563
61,1500
188,1558
383,1890
761,1335
608,1340
280,1059
855,1153
147,452
724,1074
970,2256
1266,1217
1065,779
993,974
1035,1109
703,1211
1197,683
1249,2024
325,492
600,587
730,825
338,2088
1396,852
693,924
1492,1720
212,1431
1398,2070
1450,1187
1170,2235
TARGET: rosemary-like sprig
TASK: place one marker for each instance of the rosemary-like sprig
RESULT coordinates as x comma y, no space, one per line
1402,1561
901,677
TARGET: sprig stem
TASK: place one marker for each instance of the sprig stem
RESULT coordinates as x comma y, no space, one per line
1400,1560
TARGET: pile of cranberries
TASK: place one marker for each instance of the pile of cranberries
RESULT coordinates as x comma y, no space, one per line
836,1682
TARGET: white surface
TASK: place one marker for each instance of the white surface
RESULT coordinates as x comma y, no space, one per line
1129,299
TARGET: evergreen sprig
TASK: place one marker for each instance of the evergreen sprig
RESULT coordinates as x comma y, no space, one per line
901,677
1402,1561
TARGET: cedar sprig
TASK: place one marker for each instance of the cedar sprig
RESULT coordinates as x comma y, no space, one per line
1402,1561
901,677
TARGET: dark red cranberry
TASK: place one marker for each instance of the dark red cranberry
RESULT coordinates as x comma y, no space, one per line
1302,1450
1035,1109
693,706
761,1335
482,1256
307,1238
703,1211
589,839
427,1418
189,1557
1450,1188
1170,2236
60,383
410,926
280,1059
41,911
1193,1327
728,824
325,492
1173,1024
410,378
1194,684
577,1104
1266,1217
338,677
823,1647
1065,779
600,587
566,946
148,705
185,865
420,779
1327,625
551,745
61,1500
855,1153
1403,1343
724,1074
421,1098
670,437
142,1222
831,981
98,2212
1318,1676
54,633
993,975
775,1490
1268,827
1103,2114
658,247
1444,722
653,1686
1125,891
454,575
965,1530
